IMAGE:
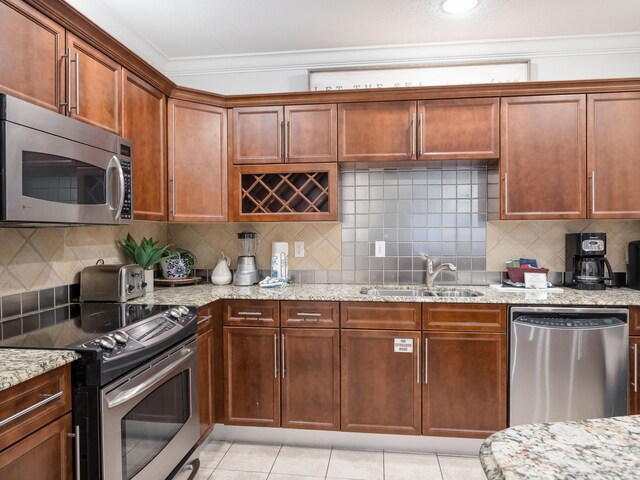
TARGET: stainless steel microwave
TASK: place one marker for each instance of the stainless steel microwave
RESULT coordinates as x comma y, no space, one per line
55,169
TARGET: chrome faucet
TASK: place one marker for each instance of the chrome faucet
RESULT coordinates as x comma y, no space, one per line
432,273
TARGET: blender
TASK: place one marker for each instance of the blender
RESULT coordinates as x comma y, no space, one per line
246,270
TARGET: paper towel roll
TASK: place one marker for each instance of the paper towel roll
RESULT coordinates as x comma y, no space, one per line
280,259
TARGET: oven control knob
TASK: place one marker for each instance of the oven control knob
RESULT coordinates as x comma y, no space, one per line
107,343
183,310
121,337
175,313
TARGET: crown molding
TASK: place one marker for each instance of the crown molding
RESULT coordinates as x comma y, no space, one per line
404,54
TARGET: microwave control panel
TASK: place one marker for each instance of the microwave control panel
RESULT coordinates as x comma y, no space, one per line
127,206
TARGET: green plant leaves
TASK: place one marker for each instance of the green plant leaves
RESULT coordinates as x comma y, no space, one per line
146,254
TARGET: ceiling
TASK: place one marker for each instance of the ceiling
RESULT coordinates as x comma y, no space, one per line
178,29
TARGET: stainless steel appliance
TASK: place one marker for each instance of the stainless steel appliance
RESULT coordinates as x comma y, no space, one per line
246,270
567,364
135,387
111,283
586,264
56,169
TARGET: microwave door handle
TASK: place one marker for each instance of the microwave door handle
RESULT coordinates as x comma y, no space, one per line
120,189
114,164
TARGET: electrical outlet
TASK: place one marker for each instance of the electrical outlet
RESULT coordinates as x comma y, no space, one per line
299,249
380,248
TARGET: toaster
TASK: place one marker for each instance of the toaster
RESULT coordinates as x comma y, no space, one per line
111,283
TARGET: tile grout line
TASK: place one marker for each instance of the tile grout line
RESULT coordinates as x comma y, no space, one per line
221,458
326,473
274,461
439,466
384,473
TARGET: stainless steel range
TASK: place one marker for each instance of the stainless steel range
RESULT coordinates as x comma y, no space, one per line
135,390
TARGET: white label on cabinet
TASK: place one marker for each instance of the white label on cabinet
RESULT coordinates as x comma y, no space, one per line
403,345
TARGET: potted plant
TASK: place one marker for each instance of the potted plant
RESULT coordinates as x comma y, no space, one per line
147,254
178,263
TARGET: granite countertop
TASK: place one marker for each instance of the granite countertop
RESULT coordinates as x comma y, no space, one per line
199,295
18,365
599,449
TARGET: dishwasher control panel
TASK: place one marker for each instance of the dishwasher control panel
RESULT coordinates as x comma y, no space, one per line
563,322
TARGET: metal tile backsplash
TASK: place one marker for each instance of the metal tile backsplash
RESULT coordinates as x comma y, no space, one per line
440,210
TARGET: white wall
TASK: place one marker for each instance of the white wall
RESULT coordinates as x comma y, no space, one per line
567,58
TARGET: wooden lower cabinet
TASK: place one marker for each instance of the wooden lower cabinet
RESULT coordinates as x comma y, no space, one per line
310,378
464,392
46,453
205,375
381,388
634,395
251,376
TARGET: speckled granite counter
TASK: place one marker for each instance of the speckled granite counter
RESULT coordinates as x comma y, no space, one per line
19,365
607,448
200,295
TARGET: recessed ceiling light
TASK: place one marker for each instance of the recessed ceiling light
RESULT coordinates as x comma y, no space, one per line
458,6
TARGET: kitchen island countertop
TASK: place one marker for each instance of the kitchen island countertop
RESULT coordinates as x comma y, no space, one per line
200,295
18,365
598,449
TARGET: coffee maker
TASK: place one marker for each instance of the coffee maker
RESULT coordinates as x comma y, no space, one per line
246,270
586,262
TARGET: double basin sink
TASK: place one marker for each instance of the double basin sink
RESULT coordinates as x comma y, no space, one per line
421,292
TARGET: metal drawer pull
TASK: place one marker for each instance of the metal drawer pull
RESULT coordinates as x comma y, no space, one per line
48,398
252,314
76,454
426,353
275,355
282,346
635,368
203,319
417,360
306,314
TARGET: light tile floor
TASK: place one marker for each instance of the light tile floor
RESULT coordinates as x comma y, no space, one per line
243,461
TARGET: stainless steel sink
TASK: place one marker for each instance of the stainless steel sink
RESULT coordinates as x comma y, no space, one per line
398,292
415,292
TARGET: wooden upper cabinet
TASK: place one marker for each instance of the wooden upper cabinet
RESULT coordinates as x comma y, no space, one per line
31,48
465,388
543,157
95,86
143,122
197,140
613,158
290,134
256,135
467,128
376,131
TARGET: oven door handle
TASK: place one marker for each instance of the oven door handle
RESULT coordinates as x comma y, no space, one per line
177,365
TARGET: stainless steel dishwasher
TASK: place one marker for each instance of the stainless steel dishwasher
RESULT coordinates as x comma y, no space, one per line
567,363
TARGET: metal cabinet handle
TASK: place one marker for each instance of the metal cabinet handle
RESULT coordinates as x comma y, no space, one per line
635,368
506,193
413,135
76,454
250,314
275,355
593,191
282,359
77,107
420,135
173,195
280,139
287,133
47,398
308,314
417,343
426,356
67,104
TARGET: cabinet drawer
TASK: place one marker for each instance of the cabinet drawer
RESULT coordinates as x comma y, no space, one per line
378,315
310,314
634,321
51,392
251,313
470,317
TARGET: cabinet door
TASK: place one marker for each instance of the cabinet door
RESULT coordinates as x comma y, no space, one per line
143,122
311,133
46,453
251,376
380,387
376,131
310,378
465,384
257,135
95,86
613,143
459,129
205,375
197,162
543,157
634,396
31,48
